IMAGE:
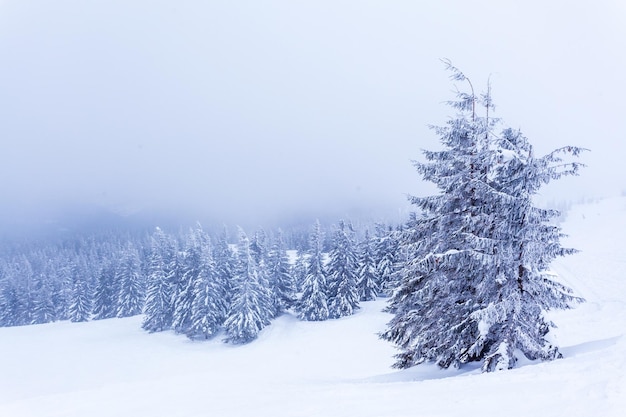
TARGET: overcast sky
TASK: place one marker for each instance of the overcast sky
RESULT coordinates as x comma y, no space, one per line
260,109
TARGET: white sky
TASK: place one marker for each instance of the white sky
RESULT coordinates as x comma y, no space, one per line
250,109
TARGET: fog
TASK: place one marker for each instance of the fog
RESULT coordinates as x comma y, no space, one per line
259,112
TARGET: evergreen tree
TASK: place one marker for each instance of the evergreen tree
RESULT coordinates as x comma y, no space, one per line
11,299
80,305
521,287
313,302
225,261
385,252
258,247
184,289
43,307
105,294
367,285
158,306
298,270
130,284
208,308
250,311
63,288
342,272
282,282
475,284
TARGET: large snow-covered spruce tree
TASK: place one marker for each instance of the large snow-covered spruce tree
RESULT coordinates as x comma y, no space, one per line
475,284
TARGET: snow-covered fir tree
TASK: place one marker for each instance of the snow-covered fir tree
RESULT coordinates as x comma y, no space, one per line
313,302
282,282
43,307
184,286
259,247
259,251
385,252
522,288
105,294
367,285
158,307
80,305
130,283
209,308
475,285
250,310
12,304
342,272
298,269
225,260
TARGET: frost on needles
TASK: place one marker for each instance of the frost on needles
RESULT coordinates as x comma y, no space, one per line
476,282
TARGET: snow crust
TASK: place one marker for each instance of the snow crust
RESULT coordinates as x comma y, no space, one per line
333,368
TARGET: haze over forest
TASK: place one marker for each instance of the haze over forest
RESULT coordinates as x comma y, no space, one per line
262,113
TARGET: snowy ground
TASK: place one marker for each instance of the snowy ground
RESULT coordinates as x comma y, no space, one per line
334,368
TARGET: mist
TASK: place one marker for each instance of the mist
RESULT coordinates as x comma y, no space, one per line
270,112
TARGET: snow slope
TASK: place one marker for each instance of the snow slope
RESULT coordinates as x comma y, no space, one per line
334,368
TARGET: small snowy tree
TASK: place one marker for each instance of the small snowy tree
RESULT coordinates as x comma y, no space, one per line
474,285
342,272
313,302
385,254
367,285
185,286
282,282
105,294
250,310
209,308
158,306
81,296
225,261
130,284
298,269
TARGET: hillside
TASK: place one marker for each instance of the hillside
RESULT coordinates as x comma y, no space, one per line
333,368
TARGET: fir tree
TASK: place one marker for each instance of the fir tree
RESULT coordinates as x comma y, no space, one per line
81,297
282,282
298,270
225,261
250,310
208,308
385,251
313,302
130,285
11,299
158,306
184,290
342,273
105,294
522,288
43,307
475,283
367,285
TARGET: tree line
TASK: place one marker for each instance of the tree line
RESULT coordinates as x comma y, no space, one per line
197,284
